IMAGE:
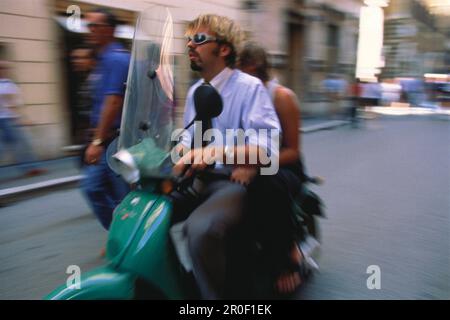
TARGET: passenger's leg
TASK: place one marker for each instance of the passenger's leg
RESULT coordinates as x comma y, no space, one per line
271,214
272,218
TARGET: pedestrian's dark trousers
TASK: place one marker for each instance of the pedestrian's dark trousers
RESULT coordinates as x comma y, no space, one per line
354,108
210,225
270,214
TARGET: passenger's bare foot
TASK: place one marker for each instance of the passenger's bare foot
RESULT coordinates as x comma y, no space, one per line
290,280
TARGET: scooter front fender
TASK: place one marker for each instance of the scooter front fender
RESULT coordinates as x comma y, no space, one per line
100,284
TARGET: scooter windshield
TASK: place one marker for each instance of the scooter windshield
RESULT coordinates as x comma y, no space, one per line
144,143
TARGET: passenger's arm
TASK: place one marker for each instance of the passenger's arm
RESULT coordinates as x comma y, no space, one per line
288,112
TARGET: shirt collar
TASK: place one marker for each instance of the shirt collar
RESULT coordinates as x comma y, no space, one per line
221,79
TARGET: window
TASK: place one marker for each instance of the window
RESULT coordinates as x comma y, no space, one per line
333,33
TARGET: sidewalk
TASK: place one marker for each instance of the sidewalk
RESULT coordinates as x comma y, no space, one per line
310,125
61,173
65,172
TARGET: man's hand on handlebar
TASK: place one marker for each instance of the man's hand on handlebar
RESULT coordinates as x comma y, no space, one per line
197,160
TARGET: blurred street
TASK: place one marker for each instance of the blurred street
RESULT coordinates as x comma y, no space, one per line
386,192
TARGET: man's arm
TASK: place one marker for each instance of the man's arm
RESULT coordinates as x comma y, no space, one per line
112,106
110,112
260,115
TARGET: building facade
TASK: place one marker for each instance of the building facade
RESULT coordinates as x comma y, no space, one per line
307,40
415,42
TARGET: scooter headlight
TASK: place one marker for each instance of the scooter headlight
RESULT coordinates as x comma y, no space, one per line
144,159
129,169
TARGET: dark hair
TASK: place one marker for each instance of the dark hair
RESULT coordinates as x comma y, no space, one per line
111,19
255,55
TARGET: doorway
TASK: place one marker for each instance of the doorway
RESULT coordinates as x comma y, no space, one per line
295,68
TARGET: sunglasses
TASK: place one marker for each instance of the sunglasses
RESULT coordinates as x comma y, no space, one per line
201,38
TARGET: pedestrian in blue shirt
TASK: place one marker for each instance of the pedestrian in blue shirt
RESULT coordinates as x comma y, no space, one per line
101,186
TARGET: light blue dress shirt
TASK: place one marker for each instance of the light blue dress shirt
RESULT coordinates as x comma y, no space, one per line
246,105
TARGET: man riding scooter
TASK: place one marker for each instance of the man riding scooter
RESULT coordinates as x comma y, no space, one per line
212,45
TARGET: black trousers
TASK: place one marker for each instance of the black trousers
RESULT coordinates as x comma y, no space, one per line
270,215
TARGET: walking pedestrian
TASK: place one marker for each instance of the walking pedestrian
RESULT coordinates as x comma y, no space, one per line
12,135
103,188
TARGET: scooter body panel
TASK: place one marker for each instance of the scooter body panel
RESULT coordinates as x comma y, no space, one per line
129,217
151,254
139,240
99,284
